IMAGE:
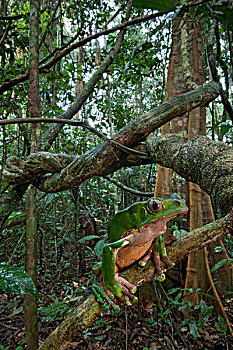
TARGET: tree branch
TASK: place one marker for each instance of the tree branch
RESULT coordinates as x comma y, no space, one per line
73,123
200,160
128,189
54,130
106,158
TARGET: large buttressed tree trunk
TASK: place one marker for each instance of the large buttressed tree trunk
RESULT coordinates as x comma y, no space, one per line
184,73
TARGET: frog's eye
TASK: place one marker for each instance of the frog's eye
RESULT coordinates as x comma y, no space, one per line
155,205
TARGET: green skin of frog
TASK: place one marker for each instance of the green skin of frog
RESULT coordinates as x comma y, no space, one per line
135,234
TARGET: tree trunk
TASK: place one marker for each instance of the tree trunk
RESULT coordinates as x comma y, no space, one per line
30,301
185,72
200,160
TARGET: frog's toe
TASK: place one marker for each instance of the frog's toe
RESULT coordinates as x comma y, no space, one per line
160,278
168,262
144,260
128,293
104,297
116,309
124,283
128,289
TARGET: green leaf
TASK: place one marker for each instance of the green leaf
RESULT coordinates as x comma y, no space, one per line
193,329
225,127
222,323
218,265
99,248
160,5
203,306
218,249
87,238
224,14
183,323
14,215
173,290
14,280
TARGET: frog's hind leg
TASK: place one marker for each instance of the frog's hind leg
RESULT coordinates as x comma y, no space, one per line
108,270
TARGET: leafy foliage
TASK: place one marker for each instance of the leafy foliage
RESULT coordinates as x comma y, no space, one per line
15,280
222,13
160,5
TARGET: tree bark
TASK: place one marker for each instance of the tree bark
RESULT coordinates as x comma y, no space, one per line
30,301
84,315
202,161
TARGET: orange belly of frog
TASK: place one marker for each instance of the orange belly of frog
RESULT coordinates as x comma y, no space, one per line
127,256
140,244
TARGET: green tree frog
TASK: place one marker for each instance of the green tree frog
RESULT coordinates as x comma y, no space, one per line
135,234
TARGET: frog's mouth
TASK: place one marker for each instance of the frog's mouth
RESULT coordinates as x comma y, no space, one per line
159,226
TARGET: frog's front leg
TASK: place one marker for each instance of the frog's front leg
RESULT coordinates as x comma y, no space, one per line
161,252
160,249
157,252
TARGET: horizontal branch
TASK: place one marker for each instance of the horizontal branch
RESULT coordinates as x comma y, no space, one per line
128,189
84,315
12,18
106,158
72,123
54,121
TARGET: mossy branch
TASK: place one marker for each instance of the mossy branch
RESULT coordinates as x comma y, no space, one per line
203,161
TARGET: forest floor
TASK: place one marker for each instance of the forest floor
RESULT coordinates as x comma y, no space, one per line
153,327
160,324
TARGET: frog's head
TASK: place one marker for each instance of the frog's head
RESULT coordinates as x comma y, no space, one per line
164,208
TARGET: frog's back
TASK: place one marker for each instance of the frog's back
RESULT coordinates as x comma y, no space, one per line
123,221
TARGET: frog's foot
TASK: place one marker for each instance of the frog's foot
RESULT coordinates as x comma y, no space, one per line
105,297
128,289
